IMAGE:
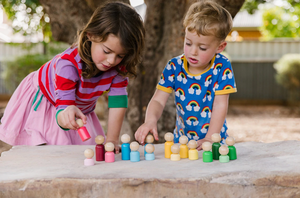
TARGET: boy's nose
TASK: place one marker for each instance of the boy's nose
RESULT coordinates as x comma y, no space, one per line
194,51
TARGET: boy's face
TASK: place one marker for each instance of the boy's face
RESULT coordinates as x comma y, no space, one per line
199,50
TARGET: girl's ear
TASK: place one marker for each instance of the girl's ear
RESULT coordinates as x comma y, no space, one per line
221,46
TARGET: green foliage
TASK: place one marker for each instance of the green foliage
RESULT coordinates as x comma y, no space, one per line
288,73
27,17
15,71
278,21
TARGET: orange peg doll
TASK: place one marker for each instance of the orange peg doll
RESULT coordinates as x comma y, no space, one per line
184,150
169,142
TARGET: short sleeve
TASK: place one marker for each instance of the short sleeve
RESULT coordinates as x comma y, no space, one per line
226,82
167,78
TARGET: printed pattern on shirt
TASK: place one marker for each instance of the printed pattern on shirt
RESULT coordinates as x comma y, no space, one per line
194,94
62,84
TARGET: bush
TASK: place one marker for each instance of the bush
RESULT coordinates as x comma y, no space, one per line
288,73
15,71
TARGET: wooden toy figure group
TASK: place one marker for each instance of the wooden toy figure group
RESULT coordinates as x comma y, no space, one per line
129,151
187,149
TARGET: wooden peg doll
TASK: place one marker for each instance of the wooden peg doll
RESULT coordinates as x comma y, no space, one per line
149,148
89,154
193,152
224,158
149,140
82,131
134,154
109,154
184,150
169,137
230,141
207,154
125,151
216,138
99,148
175,149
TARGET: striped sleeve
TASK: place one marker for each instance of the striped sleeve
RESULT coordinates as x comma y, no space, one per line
66,77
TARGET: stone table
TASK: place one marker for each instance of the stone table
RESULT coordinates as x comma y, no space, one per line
261,170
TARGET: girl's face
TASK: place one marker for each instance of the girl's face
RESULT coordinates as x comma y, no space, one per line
199,50
107,54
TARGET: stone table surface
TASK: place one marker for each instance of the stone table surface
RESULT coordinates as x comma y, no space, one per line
261,170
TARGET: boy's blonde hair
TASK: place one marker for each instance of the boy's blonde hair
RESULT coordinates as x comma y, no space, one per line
208,18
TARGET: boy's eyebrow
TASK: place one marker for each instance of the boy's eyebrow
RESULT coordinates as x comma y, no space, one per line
112,50
198,43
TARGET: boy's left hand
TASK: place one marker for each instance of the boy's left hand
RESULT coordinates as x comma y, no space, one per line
200,142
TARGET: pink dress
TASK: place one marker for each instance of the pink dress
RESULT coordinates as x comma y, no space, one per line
22,125
30,115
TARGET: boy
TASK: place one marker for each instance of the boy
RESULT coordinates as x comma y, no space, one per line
202,78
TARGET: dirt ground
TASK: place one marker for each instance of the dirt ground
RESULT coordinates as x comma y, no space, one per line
263,123
256,123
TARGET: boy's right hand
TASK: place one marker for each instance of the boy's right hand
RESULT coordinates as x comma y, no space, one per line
66,118
143,131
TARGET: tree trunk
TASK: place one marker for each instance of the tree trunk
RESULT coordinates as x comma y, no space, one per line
68,17
164,40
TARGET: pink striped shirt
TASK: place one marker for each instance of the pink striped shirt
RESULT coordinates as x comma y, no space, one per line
62,84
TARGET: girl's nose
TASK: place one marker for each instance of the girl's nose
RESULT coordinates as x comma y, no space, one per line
111,59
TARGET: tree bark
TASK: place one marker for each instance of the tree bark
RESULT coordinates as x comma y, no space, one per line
68,17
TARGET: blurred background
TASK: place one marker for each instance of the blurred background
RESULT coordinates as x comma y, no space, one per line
263,46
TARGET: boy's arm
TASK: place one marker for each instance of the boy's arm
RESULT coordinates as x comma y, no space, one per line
218,116
115,121
153,113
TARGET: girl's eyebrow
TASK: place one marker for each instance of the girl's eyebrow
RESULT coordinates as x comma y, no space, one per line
112,50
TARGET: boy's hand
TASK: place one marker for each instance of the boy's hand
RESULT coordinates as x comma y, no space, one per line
143,131
200,142
66,118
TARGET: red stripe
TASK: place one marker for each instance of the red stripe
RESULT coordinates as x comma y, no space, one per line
88,96
101,82
81,102
64,84
47,78
71,58
120,84
43,88
64,102
89,106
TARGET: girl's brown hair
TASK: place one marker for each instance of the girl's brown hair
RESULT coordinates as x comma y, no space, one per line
120,20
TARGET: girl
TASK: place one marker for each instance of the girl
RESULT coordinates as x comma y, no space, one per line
44,107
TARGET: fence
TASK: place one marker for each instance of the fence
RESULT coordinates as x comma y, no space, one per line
252,64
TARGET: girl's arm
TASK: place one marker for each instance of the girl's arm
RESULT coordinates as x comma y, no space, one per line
153,113
115,120
218,115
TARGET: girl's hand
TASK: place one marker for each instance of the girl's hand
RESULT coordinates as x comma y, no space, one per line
116,144
66,118
200,142
143,131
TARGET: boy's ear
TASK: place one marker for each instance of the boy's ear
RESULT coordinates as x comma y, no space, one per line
221,46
